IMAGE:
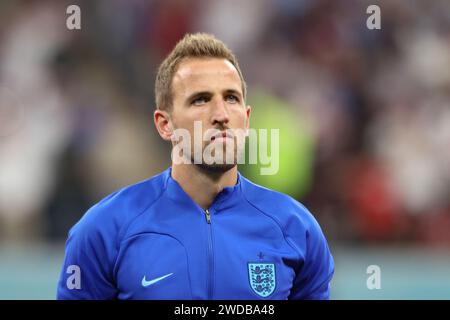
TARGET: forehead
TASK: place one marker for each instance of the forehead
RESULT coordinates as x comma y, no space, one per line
204,74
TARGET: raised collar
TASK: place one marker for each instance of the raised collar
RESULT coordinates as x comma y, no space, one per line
228,197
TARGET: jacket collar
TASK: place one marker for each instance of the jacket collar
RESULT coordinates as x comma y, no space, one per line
227,198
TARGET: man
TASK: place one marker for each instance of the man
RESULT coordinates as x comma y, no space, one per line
199,230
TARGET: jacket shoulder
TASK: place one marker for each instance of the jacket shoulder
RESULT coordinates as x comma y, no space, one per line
280,206
115,211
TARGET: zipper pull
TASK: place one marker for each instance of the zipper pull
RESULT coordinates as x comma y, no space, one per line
208,216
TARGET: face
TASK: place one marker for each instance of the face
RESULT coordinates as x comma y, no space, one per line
208,91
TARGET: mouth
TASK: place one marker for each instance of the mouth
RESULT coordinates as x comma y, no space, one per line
221,136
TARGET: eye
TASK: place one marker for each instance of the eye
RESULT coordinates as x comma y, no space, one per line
231,98
199,101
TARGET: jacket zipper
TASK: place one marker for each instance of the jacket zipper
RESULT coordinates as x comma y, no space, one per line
210,255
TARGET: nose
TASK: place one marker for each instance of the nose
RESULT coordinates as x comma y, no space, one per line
220,113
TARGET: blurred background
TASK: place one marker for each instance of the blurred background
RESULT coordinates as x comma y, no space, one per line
364,119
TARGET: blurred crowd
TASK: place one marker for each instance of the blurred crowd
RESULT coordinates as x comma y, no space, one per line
371,108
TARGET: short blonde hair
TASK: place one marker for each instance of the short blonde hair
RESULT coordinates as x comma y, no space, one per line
196,45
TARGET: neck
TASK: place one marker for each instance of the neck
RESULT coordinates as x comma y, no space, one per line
202,185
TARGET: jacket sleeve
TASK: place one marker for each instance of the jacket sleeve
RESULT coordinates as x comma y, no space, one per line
312,281
87,271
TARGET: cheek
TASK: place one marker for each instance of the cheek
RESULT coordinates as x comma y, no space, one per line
240,116
185,118
187,122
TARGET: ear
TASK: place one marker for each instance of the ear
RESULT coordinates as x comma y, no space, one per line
248,112
163,124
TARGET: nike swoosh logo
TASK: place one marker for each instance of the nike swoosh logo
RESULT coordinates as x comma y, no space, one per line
146,283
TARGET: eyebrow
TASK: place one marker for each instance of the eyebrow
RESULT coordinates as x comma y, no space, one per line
195,95
235,92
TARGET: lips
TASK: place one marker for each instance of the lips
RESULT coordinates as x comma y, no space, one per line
222,135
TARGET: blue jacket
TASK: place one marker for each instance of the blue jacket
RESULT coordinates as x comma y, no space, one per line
152,241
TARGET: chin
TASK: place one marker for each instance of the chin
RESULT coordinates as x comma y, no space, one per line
216,168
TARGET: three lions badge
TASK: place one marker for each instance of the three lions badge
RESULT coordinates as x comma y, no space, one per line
262,278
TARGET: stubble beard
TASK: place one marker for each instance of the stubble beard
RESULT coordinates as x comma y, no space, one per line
217,168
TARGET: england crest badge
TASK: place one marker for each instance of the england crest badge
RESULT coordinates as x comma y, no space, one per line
262,278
